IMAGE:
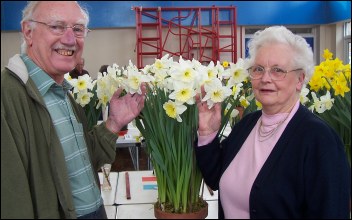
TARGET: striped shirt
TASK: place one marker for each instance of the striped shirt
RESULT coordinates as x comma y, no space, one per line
85,191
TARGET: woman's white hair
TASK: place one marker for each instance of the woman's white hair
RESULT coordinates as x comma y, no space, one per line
27,14
303,54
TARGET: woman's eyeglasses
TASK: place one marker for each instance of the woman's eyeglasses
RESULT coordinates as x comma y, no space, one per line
275,73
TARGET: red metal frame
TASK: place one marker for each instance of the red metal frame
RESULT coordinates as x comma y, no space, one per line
195,40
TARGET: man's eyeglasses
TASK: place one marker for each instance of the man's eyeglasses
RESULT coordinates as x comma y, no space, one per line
275,73
79,30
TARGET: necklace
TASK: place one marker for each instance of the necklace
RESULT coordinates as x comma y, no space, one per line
264,133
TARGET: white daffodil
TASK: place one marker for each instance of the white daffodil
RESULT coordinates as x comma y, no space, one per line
134,81
161,66
82,83
208,73
215,92
326,101
303,95
220,70
316,105
174,110
236,73
236,90
321,104
68,77
183,71
183,92
83,97
244,102
114,70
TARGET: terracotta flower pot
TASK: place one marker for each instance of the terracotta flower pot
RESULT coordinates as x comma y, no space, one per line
201,214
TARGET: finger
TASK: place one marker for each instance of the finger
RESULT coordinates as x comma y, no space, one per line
117,93
217,106
143,88
197,98
141,98
202,90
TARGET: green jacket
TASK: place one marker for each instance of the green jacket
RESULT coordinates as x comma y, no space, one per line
34,180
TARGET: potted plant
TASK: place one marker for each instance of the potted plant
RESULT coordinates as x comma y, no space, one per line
169,120
329,96
169,123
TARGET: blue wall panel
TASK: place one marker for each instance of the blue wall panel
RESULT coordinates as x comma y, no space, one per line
118,14
338,10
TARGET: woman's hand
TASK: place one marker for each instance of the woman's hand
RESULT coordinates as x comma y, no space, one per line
209,119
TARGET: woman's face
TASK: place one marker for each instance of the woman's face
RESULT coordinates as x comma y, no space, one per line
277,95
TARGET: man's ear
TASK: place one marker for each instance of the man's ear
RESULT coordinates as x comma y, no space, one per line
27,31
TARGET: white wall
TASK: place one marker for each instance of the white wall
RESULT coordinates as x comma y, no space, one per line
10,45
108,46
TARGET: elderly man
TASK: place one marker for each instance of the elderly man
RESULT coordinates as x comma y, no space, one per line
49,159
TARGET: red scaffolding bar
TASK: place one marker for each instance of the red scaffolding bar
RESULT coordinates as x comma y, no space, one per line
204,33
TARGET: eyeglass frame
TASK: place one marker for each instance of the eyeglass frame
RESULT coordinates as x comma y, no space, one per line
51,26
284,72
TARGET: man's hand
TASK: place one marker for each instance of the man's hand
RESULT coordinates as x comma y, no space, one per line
124,109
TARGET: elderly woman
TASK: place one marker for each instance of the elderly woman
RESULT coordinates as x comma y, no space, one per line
282,161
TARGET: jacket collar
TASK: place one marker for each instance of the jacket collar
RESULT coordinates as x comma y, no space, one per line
17,66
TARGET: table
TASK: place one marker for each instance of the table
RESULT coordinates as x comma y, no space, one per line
143,196
109,196
111,211
132,141
143,190
146,211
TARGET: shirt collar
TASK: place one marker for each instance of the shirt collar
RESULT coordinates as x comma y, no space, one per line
41,79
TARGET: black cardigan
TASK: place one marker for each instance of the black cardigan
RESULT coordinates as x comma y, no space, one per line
306,175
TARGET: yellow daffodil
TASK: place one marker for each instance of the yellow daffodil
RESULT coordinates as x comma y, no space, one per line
329,96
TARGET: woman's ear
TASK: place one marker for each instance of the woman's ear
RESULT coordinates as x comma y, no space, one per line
27,31
300,82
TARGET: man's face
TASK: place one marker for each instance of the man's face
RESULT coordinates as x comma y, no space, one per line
55,54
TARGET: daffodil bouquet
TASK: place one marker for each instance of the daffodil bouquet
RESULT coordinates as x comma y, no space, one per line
169,122
329,96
